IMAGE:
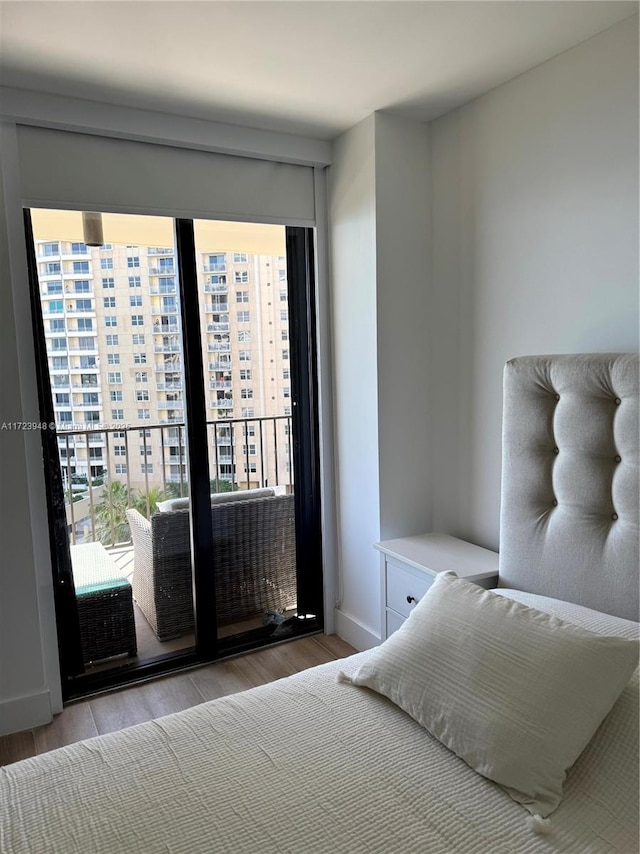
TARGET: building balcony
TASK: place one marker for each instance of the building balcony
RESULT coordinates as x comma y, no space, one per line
76,274
167,348
79,312
224,403
219,326
215,268
163,271
169,386
170,404
210,288
165,328
219,384
156,310
87,351
219,347
162,289
79,440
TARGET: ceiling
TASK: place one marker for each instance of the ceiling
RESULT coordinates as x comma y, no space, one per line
311,68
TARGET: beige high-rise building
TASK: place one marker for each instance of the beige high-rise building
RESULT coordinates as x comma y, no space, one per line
115,352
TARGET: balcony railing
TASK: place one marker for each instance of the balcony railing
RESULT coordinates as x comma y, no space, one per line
220,288
162,289
170,404
118,481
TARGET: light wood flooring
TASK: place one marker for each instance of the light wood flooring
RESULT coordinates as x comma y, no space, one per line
119,709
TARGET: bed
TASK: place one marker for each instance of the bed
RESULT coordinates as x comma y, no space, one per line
316,763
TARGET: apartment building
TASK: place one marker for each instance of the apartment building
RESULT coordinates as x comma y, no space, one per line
113,334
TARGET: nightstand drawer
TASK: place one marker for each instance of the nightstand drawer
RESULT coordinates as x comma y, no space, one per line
404,590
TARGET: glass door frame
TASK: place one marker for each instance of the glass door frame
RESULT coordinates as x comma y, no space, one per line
305,422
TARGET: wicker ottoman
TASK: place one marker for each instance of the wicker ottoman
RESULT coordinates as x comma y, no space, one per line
105,604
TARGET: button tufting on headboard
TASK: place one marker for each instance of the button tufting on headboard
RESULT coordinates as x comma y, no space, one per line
577,554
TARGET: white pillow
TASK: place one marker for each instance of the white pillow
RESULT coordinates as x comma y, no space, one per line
513,691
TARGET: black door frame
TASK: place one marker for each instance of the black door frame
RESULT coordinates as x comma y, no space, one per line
305,427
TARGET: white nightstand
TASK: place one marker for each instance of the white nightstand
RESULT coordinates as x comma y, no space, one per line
411,564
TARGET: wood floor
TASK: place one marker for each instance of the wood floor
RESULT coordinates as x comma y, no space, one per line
123,708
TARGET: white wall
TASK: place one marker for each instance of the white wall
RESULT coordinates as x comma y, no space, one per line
29,675
535,236
403,291
378,218
353,299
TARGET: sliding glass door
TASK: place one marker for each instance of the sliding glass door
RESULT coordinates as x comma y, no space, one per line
177,379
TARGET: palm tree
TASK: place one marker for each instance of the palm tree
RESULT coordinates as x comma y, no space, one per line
176,489
110,514
147,502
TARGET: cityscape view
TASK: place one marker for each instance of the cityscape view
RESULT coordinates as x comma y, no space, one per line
114,346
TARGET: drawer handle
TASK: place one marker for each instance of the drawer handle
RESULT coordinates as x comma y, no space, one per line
411,599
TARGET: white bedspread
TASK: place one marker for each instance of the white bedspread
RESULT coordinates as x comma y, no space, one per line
308,764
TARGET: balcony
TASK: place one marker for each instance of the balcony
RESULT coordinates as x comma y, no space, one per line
220,365
76,349
84,407
167,386
93,516
219,326
223,403
210,288
162,289
165,309
72,311
219,384
167,348
163,271
219,347
170,404
165,328
215,268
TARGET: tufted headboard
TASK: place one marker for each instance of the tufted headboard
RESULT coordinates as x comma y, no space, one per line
569,524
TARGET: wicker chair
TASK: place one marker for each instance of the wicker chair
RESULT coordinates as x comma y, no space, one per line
254,563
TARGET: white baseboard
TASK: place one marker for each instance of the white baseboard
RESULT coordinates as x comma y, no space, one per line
25,712
353,632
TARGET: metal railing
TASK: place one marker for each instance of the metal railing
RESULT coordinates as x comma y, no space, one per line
243,452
